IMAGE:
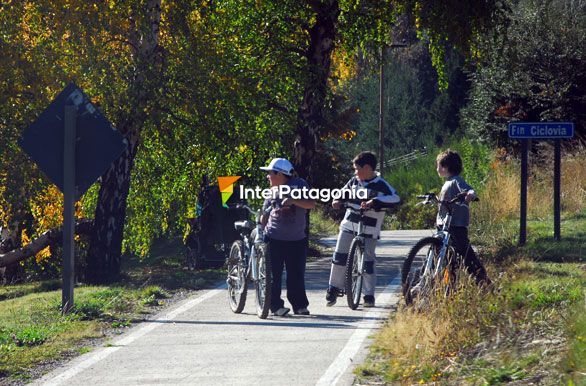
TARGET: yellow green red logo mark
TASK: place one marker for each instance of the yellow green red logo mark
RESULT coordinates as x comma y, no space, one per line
226,185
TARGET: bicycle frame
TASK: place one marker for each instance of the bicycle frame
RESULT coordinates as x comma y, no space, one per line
433,269
360,233
444,236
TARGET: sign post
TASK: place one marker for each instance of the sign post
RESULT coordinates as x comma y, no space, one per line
525,131
68,206
557,160
73,144
524,175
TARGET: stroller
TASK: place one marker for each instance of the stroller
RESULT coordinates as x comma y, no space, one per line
212,230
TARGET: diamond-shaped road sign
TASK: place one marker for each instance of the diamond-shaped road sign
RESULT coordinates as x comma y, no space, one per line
98,143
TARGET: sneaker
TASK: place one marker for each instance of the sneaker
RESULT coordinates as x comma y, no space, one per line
301,311
332,296
368,301
281,311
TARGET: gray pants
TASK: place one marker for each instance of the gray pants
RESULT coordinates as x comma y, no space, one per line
338,271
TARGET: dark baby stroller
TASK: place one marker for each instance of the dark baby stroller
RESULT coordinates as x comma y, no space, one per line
212,231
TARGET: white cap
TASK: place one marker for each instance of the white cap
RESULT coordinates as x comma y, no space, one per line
279,165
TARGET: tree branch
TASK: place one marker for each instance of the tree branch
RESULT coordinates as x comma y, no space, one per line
52,236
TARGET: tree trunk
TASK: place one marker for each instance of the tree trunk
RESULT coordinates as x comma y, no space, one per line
9,240
311,111
105,249
106,243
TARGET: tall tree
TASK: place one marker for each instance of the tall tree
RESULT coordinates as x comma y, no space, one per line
319,58
368,24
146,56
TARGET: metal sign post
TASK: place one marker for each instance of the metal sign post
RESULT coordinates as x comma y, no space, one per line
524,174
68,206
557,160
525,131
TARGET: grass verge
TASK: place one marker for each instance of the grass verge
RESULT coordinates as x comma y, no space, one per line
531,328
34,335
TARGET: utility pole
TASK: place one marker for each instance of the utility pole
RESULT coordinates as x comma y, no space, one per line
381,113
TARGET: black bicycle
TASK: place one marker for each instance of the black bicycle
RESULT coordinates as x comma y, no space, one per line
355,263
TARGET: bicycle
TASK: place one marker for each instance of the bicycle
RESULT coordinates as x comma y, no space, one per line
249,260
355,263
432,261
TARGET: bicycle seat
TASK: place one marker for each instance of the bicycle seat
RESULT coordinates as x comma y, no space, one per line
246,224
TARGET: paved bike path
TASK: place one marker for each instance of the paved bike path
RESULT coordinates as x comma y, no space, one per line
201,342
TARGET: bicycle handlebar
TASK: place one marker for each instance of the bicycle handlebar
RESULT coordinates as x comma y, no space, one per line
377,205
253,212
431,198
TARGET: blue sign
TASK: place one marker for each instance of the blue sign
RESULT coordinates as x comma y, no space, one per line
541,130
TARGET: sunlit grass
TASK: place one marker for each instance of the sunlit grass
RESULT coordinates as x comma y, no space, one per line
575,363
531,327
34,331
500,329
321,224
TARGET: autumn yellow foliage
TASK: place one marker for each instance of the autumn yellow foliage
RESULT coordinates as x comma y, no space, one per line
47,210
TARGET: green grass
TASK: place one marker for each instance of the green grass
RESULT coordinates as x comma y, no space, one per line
545,285
34,331
495,338
572,246
502,371
575,362
322,225
14,291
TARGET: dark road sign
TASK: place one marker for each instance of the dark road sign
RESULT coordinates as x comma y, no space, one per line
541,130
97,143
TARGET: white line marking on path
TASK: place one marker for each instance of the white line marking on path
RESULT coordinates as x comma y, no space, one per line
344,358
104,352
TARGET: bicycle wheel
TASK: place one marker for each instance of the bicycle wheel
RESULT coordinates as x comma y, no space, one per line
354,273
415,284
237,283
264,282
